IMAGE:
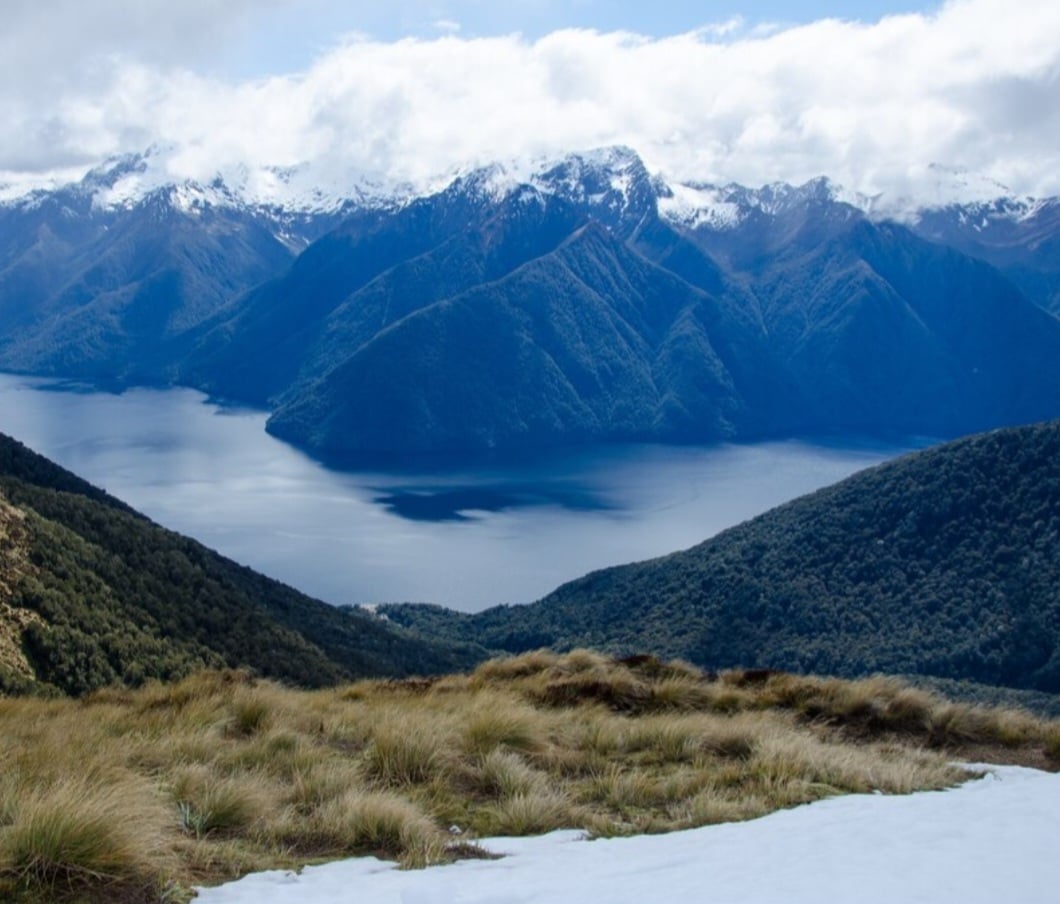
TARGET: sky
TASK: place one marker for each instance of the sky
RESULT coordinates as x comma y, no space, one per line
878,96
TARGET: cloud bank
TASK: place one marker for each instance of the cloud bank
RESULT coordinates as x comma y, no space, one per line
972,87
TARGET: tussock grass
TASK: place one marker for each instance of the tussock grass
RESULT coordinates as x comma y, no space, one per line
76,841
130,796
502,774
208,802
528,813
368,822
1052,744
496,721
407,749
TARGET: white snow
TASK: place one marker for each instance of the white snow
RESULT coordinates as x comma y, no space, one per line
695,206
303,188
988,841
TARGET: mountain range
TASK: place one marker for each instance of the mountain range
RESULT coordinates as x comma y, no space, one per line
941,564
944,563
576,300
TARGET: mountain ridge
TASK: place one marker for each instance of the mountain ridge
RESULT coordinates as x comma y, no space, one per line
811,319
940,563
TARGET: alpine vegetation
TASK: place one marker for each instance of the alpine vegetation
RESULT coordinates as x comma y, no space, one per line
136,795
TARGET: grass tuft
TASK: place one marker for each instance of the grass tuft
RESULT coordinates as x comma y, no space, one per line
376,822
210,803
406,751
528,813
74,841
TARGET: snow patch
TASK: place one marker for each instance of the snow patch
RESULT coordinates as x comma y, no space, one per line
989,840
694,206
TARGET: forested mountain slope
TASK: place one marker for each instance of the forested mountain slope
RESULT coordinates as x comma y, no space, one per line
945,562
93,593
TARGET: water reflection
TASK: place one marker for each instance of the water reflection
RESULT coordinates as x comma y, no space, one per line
463,537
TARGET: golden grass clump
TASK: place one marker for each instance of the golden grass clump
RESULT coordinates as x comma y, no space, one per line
497,720
208,802
528,813
370,822
502,774
131,797
1052,744
76,841
406,750
515,666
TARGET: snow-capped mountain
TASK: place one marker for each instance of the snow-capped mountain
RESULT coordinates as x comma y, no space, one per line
612,182
695,205
562,299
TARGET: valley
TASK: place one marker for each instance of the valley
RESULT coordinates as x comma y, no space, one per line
463,536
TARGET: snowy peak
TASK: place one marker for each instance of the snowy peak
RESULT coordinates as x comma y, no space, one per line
158,174
700,205
612,184
613,179
985,216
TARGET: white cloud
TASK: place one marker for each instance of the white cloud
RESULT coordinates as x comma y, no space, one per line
973,86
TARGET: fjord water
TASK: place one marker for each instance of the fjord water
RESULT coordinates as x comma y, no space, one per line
464,538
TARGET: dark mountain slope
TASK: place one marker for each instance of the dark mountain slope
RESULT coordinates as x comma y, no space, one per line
98,594
885,333
1022,242
366,275
112,302
944,562
589,342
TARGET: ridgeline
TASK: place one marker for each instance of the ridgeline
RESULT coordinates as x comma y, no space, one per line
942,563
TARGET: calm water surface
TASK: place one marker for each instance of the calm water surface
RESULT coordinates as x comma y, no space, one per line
467,539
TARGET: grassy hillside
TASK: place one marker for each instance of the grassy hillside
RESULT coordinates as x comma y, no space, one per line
130,797
93,593
945,562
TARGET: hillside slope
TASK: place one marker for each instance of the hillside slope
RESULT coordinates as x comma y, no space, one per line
945,562
93,593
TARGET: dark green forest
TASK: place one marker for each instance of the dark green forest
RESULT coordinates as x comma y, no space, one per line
943,563
122,600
